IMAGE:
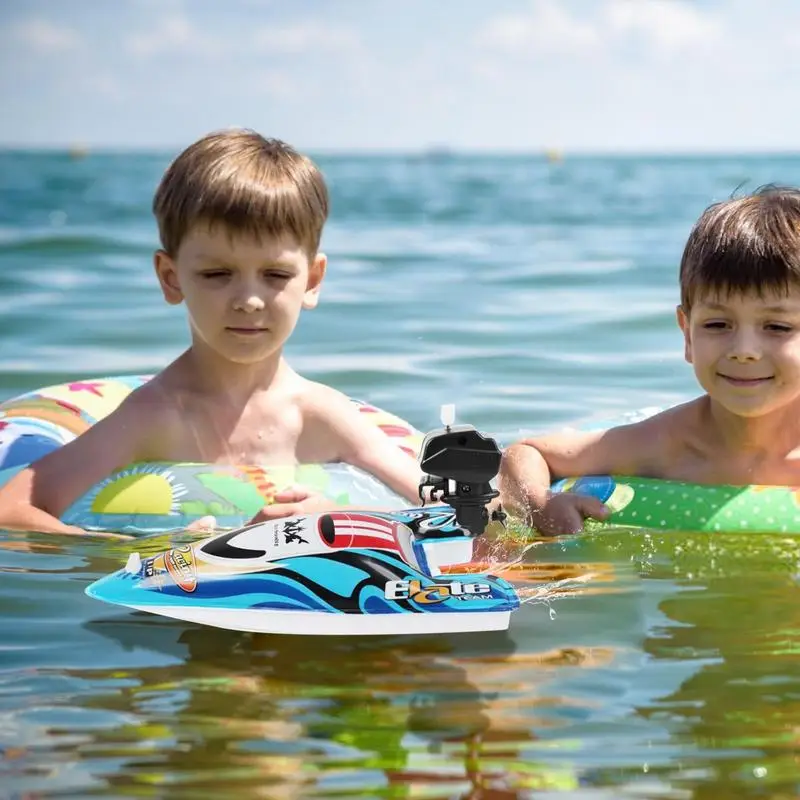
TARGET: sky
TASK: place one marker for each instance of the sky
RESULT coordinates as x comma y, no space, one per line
404,75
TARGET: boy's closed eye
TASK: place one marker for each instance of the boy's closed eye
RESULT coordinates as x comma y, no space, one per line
274,275
771,327
270,275
716,325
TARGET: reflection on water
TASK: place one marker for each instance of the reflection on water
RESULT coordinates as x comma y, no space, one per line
129,701
665,664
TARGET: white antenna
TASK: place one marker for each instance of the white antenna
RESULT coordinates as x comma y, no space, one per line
447,414
134,563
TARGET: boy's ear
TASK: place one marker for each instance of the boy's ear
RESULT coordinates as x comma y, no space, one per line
316,272
683,323
167,277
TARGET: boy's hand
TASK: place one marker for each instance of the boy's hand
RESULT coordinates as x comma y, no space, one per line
291,502
207,523
565,513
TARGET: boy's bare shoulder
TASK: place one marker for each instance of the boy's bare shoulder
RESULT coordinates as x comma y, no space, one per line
330,415
336,431
672,421
330,422
152,397
147,415
318,400
652,444
637,448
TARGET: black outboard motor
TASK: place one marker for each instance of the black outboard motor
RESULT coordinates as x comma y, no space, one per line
459,463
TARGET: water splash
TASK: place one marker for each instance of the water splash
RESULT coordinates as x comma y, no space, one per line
568,587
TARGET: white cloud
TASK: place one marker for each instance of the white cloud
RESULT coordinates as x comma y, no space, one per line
667,24
547,28
490,70
274,82
44,36
171,6
550,28
307,37
791,40
173,33
105,85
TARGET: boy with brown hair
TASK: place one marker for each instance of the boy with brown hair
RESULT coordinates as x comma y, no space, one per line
240,219
740,318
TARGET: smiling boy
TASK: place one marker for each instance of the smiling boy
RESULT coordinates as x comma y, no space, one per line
240,219
740,318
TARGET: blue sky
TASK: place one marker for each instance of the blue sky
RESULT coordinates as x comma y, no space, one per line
505,75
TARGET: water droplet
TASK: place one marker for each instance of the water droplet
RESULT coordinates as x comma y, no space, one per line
553,614
760,772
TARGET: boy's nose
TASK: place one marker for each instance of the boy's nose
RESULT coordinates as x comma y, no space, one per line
745,346
249,303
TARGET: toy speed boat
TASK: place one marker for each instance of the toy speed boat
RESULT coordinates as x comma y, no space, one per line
344,572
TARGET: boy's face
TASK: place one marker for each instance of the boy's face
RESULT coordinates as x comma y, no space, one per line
745,349
243,294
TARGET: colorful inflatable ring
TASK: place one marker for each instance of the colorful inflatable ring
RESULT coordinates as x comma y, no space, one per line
161,496
678,506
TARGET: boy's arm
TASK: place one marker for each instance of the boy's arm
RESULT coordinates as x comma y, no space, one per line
367,447
528,467
363,445
36,497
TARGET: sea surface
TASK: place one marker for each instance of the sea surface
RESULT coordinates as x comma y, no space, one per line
533,294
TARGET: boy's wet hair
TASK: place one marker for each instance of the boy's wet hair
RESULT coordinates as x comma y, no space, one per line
746,244
245,182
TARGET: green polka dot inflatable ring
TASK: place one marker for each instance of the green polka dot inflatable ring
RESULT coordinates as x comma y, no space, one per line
677,506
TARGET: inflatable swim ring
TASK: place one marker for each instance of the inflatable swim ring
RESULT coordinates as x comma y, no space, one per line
677,506
161,496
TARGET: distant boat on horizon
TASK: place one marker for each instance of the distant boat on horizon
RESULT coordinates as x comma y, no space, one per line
78,151
438,152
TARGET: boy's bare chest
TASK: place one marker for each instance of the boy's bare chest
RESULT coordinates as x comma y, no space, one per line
259,434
